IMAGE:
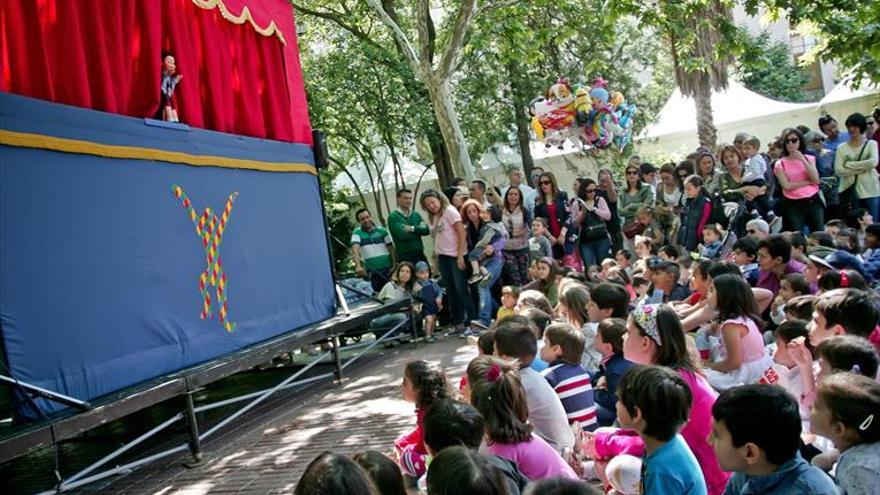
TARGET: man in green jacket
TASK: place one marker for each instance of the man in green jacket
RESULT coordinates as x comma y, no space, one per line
407,229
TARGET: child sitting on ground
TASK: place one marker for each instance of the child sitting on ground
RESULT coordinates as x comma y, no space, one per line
449,423
711,241
573,309
485,347
545,281
846,411
791,286
490,231
509,296
429,293
756,434
539,321
745,255
655,402
500,396
563,347
539,244
785,371
609,341
516,341
423,383
744,358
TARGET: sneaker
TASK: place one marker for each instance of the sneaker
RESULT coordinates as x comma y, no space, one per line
477,277
430,340
470,332
485,279
456,330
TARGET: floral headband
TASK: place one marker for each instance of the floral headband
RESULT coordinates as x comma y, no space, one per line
645,316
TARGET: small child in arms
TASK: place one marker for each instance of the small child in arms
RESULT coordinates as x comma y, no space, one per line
490,231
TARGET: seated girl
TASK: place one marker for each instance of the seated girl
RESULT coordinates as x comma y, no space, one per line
743,356
423,383
496,391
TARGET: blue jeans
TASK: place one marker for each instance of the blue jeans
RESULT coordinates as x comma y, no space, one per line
872,205
487,304
455,281
593,252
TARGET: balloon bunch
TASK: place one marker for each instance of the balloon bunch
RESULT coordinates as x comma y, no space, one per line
587,116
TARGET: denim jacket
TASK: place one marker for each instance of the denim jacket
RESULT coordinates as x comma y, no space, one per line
795,477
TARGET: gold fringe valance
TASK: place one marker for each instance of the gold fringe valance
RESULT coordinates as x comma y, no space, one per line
245,16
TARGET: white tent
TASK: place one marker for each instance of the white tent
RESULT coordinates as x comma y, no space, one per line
736,109
734,104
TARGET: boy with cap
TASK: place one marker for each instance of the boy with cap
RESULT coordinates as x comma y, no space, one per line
431,296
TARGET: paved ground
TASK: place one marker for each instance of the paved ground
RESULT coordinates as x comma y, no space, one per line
269,454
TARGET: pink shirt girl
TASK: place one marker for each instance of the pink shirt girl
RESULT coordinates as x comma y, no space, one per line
796,171
535,458
443,232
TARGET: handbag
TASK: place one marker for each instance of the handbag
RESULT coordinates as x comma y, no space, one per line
592,227
631,230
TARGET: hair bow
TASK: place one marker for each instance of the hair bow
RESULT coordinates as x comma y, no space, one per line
494,373
844,280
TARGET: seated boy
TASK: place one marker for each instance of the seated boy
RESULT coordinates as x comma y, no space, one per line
516,341
756,434
609,341
563,348
490,231
449,423
655,402
509,296
745,255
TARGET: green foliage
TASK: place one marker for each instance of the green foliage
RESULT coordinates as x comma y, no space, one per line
339,220
767,68
848,31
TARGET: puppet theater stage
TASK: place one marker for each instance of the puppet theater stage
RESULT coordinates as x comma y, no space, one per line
141,259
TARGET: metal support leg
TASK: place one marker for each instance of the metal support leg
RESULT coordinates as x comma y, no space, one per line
195,445
414,325
337,360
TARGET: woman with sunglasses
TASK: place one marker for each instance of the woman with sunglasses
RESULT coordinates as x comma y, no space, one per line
551,205
516,218
636,195
593,242
798,177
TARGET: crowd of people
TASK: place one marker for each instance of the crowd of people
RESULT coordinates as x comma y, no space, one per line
710,327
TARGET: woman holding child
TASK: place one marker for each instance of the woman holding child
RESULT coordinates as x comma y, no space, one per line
473,214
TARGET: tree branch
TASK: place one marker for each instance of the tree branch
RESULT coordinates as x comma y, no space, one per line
422,15
466,13
405,45
338,19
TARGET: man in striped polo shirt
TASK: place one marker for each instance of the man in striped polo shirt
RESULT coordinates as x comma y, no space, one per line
563,347
372,250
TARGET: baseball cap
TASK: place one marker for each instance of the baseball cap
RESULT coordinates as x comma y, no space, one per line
421,266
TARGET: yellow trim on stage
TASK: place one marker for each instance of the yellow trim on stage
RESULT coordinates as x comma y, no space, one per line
28,140
245,16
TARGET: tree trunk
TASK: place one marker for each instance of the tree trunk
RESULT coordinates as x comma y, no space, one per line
706,131
441,156
519,103
447,119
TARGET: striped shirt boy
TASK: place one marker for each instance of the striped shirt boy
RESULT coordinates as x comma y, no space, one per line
571,382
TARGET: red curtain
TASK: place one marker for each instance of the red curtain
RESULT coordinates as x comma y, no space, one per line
107,56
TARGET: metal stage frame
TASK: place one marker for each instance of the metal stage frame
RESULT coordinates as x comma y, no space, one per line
69,424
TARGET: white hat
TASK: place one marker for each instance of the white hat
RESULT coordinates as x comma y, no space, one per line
624,474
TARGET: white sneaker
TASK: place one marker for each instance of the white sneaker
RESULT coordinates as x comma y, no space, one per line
776,225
